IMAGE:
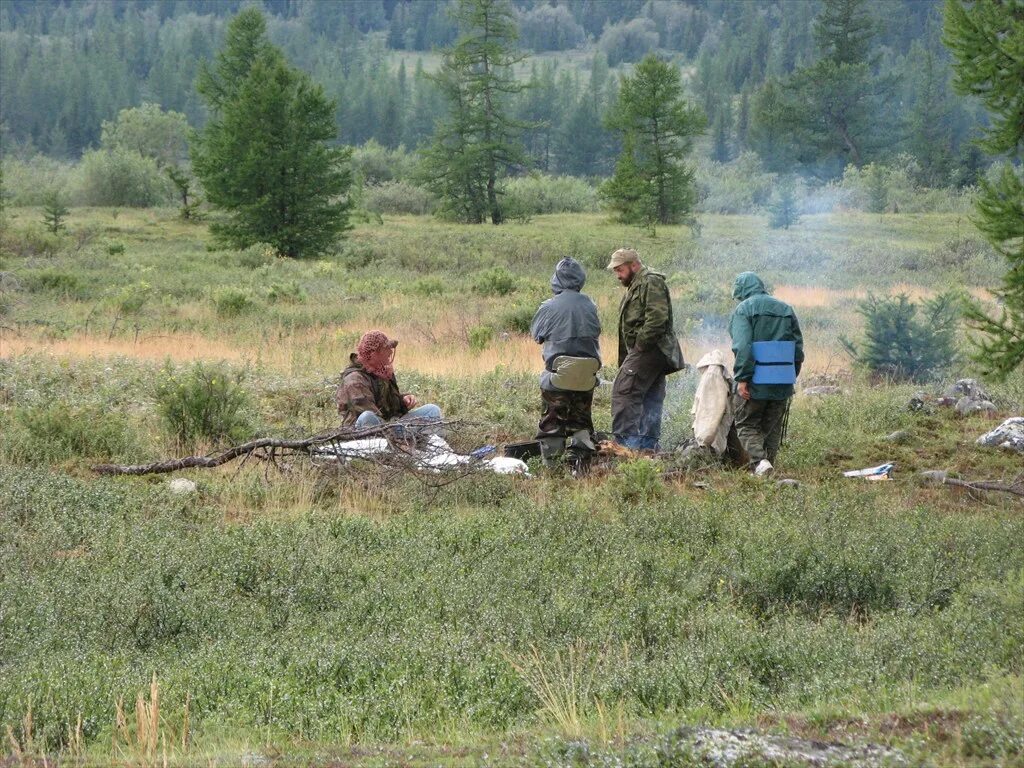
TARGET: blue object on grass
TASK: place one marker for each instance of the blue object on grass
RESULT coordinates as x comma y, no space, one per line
482,451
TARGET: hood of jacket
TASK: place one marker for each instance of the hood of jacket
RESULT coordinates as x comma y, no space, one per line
715,357
747,284
569,276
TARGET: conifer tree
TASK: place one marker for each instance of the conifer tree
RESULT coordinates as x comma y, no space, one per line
652,184
263,156
986,38
478,143
783,213
55,210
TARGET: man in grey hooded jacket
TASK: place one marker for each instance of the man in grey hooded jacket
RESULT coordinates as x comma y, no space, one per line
568,327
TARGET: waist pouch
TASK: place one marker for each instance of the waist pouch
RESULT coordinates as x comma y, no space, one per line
575,374
774,362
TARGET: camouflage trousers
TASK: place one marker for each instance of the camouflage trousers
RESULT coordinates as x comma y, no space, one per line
566,421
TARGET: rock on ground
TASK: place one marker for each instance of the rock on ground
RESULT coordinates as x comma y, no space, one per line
724,748
967,405
182,486
967,388
1009,436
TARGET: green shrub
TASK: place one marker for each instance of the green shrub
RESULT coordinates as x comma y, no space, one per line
535,195
495,282
231,302
30,241
374,164
739,186
256,255
120,177
429,286
480,336
26,182
290,292
398,198
637,480
115,249
55,281
517,320
205,402
57,431
901,347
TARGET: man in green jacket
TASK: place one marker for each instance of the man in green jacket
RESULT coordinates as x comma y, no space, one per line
648,350
764,373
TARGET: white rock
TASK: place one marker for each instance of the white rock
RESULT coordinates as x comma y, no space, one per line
182,486
1009,436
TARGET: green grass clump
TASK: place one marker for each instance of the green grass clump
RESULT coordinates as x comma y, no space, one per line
205,402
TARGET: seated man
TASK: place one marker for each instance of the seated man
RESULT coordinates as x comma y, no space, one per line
368,394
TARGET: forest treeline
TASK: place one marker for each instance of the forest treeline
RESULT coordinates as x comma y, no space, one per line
66,67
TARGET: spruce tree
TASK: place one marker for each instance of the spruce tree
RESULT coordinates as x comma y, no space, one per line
986,38
782,210
478,143
652,184
55,210
263,156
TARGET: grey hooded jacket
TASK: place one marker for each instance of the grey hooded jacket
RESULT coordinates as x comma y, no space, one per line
567,324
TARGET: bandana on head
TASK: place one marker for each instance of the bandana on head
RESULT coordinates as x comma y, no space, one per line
371,343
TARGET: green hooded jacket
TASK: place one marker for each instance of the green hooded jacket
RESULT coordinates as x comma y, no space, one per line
760,317
645,319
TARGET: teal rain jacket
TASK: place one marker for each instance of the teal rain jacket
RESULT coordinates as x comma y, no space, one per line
760,317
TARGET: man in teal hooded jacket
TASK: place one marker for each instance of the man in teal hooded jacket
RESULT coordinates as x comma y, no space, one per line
761,408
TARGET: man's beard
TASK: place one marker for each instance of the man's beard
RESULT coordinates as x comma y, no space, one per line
627,280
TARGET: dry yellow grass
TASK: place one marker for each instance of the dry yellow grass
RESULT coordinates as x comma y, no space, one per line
319,351
809,296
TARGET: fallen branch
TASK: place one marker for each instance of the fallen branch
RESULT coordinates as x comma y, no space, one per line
939,477
274,448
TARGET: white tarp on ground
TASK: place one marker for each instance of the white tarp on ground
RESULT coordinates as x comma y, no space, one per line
436,455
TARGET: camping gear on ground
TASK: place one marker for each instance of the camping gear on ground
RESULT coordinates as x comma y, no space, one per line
881,472
435,455
524,450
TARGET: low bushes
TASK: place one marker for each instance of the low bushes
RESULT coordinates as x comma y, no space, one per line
205,402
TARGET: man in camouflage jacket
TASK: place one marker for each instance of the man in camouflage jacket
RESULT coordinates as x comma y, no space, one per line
368,394
648,350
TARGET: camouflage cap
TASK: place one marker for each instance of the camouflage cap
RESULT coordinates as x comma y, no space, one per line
623,256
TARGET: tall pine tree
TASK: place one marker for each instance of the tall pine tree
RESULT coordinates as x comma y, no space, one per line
478,144
263,156
652,184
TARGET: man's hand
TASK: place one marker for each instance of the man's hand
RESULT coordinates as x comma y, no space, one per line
743,388
410,401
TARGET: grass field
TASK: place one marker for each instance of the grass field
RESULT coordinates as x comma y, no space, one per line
314,618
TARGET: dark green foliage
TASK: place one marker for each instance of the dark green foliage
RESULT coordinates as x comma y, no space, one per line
831,113
55,211
182,182
904,341
263,156
476,146
987,41
782,210
206,402
497,281
878,191
652,185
